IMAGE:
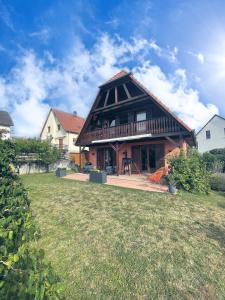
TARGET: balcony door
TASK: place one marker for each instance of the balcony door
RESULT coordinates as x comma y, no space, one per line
147,158
106,157
141,117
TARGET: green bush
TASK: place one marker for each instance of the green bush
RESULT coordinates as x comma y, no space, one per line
213,164
23,273
45,153
220,156
189,172
217,182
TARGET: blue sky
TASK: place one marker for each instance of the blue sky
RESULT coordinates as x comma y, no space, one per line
56,53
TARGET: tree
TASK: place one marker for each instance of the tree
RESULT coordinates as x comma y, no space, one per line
43,151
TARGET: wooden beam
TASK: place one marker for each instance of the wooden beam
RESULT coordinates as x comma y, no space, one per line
172,141
126,91
106,98
117,159
80,155
116,95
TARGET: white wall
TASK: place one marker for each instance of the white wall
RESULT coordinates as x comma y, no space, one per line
5,135
217,140
68,137
72,147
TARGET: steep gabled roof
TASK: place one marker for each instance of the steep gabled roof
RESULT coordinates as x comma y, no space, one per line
162,105
209,122
69,122
118,75
5,119
125,77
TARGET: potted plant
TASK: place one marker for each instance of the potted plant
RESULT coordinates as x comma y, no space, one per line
98,176
171,184
60,172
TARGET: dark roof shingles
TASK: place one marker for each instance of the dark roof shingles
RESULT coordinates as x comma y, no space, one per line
5,118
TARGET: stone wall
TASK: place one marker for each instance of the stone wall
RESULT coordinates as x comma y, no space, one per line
30,167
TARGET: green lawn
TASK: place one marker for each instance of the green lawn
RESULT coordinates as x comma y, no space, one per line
114,243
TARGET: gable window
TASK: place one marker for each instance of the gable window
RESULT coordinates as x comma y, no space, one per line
58,126
49,129
208,134
141,116
74,140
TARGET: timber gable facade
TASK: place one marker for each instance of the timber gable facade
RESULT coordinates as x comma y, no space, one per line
126,119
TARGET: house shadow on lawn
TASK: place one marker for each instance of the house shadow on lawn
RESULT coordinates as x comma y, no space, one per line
216,233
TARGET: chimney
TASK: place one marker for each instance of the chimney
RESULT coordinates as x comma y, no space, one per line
75,113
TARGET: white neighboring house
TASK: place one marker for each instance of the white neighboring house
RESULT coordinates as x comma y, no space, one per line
6,124
212,135
62,129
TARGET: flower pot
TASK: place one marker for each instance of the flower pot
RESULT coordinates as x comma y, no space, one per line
60,172
98,177
172,189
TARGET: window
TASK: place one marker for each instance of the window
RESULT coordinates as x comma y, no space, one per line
74,140
58,126
112,123
141,116
208,134
49,129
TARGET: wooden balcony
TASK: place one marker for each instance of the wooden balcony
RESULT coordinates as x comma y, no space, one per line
155,127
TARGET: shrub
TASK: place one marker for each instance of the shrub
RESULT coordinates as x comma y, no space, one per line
190,173
220,156
43,150
23,273
217,182
213,164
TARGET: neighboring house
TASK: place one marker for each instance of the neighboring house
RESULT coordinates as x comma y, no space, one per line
62,129
6,124
212,135
127,120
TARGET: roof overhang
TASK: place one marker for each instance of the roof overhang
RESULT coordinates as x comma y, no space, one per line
121,139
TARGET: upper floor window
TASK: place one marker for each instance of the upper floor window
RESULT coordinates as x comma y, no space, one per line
49,128
112,123
141,116
208,134
58,126
74,140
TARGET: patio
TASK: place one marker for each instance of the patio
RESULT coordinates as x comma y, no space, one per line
138,182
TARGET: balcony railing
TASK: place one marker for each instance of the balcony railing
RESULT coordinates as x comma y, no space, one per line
156,126
60,147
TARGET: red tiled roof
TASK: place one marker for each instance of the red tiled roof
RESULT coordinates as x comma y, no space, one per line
69,122
118,75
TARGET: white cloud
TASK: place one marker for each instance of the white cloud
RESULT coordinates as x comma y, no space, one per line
43,34
199,56
35,84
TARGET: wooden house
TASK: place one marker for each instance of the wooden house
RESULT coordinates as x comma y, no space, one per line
126,120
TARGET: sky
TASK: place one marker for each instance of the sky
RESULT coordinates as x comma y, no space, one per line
56,53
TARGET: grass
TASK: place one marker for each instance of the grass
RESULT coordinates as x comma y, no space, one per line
115,243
